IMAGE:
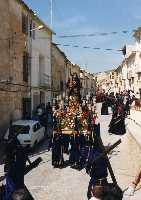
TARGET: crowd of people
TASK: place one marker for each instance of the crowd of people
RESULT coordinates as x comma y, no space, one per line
73,135
120,105
80,147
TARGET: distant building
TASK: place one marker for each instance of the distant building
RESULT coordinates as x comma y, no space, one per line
88,83
129,75
105,81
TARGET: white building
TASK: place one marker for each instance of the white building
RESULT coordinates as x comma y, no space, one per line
39,48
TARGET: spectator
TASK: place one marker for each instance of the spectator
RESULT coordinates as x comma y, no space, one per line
131,189
49,131
48,107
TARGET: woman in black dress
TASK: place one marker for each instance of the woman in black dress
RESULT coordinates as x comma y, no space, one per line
117,124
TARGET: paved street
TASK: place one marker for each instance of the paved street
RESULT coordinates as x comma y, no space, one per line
48,183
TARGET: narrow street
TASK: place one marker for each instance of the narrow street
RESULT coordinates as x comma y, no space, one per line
47,183
58,61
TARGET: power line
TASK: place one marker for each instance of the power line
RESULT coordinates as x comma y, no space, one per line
88,47
79,35
96,34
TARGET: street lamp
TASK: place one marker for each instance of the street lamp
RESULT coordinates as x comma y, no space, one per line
37,28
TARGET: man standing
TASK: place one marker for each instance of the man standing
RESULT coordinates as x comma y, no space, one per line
49,115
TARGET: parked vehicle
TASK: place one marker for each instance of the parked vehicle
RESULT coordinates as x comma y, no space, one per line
31,132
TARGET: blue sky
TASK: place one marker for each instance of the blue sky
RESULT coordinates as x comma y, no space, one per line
91,16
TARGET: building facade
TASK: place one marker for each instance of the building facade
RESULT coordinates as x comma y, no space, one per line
18,61
88,83
59,72
13,76
129,72
106,81
40,54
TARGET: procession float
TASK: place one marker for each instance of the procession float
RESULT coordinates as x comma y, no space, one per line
75,117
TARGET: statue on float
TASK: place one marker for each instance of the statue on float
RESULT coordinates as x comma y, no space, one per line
74,87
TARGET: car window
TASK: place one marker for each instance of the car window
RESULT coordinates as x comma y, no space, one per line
36,127
22,129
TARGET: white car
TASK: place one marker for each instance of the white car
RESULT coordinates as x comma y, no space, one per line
30,132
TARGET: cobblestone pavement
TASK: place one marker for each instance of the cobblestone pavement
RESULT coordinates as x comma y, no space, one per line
47,183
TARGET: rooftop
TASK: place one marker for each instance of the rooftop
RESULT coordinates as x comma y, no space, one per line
34,15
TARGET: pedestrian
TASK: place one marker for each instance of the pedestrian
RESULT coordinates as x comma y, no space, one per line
99,171
85,146
104,108
49,125
74,157
56,105
48,107
117,124
131,189
56,150
127,106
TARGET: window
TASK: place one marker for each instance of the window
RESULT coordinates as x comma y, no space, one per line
139,76
33,31
61,85
25,66
21,129
25,24
36,127
31,24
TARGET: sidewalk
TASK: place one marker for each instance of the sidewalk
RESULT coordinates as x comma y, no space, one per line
134,125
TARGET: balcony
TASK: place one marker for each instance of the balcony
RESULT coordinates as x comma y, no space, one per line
45,81
131,74
138,69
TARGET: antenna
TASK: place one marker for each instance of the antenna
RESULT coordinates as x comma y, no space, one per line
51,13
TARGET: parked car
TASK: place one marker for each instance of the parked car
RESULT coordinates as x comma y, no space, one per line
31,132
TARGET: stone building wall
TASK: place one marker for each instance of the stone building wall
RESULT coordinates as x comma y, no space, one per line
12,87
58,70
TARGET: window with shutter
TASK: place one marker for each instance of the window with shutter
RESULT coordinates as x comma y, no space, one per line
33,32
25,66
25,24
31,24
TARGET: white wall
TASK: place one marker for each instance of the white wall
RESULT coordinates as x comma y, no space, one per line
41,46
41,62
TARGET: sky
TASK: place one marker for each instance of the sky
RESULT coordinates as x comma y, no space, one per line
88,17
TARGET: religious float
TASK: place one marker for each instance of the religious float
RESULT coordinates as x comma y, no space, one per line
75,117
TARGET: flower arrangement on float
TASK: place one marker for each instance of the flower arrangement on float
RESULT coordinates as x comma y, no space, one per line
73,117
